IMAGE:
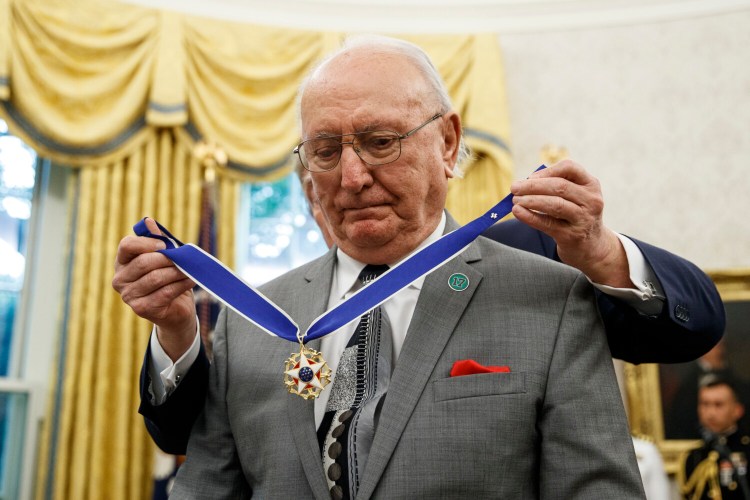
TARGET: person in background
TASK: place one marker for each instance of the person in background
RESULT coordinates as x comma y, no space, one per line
718,468
681,420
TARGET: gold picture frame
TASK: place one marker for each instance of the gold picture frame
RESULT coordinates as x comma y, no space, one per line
643,388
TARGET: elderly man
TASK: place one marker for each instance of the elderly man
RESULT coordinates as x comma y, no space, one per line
489,377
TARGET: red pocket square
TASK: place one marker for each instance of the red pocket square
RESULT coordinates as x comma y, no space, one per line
471,367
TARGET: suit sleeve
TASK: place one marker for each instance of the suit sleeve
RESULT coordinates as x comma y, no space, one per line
212,468
169,424
586,449
690,324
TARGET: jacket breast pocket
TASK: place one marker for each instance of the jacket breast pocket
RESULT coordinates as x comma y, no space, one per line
481,384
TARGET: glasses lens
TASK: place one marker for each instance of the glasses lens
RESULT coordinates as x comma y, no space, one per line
320,154
379,147
374,148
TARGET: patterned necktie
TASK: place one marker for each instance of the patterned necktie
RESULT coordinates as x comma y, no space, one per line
358,391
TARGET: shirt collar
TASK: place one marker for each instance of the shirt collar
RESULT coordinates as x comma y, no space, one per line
348,269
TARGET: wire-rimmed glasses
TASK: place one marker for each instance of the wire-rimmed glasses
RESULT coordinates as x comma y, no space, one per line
376,147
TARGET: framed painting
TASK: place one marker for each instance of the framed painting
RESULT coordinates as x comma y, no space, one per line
662,399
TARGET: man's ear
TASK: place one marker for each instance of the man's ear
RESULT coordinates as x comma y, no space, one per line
451,141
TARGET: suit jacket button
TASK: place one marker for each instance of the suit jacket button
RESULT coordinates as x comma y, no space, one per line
682,313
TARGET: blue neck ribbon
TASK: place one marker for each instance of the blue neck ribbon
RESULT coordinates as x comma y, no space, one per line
218,280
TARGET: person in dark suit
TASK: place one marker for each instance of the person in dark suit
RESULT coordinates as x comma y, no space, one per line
688,320
718,468
495,377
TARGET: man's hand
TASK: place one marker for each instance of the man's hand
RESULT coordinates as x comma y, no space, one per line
565,202
156,290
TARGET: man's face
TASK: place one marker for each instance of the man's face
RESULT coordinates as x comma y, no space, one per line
718,409
378,214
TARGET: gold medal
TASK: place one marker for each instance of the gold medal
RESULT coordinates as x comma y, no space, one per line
306,373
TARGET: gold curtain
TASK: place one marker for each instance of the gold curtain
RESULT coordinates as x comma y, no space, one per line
101,449
123,94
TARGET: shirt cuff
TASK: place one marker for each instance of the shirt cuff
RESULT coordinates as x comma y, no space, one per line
647,297
166,375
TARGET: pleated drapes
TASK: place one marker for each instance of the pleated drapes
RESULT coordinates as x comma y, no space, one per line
122,94
98,448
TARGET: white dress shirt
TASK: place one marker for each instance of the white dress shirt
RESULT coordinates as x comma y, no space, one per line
647,298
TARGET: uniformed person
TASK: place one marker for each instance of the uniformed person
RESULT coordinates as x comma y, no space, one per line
718,469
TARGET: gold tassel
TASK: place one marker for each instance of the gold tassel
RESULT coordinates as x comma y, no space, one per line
706,473
211,157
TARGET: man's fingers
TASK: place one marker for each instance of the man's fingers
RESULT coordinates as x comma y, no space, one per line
560,230
553,206
552,186
566,178
542,222
146,296
131,247
152,269
160,296
151,225
160,277
160,304
572,185
567,169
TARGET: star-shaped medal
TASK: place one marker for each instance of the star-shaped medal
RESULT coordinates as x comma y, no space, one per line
306,373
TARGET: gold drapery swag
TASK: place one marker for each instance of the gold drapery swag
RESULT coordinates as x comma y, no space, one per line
122,94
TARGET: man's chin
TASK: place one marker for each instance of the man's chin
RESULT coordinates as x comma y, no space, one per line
368,235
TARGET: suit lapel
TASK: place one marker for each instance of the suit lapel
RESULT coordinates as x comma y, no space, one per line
300,412
435,318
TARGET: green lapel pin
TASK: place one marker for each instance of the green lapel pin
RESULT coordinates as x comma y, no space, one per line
458,282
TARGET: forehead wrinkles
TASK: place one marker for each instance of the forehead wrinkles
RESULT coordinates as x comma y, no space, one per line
367,76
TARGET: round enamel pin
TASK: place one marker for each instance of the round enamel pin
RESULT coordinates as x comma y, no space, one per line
306,373
458,282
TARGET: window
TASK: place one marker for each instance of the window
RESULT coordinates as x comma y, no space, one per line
17,170
277,232
17,174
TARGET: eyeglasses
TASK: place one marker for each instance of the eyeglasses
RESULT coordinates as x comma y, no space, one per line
377,147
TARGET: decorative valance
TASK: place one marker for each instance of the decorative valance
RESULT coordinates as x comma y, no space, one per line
89,82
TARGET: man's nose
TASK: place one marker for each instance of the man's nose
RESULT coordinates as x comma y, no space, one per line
355,174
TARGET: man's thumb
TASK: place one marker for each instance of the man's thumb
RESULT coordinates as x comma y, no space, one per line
152,227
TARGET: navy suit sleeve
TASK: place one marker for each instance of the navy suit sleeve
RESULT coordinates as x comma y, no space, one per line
690,324
170,423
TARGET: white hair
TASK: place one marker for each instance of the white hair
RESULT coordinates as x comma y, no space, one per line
420,59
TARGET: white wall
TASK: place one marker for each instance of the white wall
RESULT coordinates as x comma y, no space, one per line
660,112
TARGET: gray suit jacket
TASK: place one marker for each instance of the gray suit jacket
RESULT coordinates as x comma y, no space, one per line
552,428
